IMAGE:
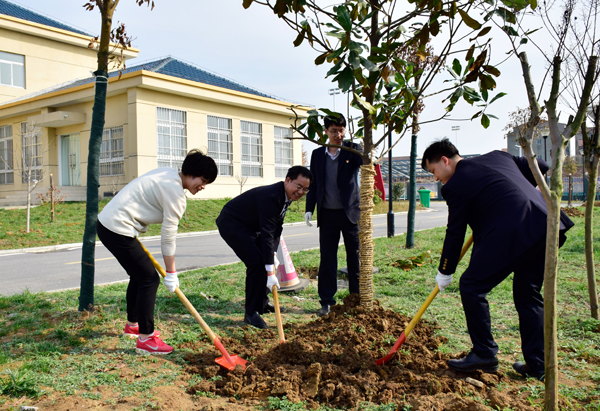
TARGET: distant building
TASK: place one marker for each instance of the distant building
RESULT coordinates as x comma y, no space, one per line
155,112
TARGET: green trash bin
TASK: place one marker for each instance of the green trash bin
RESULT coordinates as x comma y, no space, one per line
425,197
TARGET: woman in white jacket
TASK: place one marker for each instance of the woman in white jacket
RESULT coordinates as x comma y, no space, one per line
155,197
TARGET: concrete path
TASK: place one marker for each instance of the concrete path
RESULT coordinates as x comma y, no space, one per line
59,267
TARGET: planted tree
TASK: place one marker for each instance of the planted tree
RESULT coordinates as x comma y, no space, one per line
109,41
364,42
565,40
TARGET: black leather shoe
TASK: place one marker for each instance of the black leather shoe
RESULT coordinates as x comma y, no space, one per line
526,371
255,320
323,311
473,362
270,308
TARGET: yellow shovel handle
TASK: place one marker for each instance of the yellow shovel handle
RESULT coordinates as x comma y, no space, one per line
436,290
182,297
278,315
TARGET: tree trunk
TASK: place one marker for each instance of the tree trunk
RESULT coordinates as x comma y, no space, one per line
589,236
28,203
88,252
365,234
412,194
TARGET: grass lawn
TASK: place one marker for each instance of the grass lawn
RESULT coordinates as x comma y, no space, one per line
53,357
69,221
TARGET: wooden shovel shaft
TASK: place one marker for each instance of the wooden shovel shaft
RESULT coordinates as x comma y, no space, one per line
183,298
435,291
278,315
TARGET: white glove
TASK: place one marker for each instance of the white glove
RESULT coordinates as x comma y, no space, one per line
307,218
443,280
171,281
275,262
271,281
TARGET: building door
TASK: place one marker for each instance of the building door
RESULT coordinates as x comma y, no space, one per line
70,163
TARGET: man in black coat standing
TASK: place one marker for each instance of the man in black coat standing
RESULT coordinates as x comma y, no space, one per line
251,225
495,195
335,191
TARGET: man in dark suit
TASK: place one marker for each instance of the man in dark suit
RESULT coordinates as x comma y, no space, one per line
334,189
495,195
251,225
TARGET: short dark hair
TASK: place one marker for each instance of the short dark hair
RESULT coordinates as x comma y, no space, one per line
295,171
198,164
335,119
436,150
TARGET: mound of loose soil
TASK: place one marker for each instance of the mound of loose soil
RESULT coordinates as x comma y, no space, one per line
332,361
573,212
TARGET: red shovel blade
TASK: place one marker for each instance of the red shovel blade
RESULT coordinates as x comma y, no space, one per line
393,351
228,361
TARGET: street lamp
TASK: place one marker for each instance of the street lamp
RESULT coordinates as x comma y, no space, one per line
455,129
333,92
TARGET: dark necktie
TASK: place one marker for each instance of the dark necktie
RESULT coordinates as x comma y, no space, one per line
285,207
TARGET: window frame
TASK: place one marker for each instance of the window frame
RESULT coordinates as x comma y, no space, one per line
13,65
7,174
174,128
32,150
220,143
252,148
285,144
112,159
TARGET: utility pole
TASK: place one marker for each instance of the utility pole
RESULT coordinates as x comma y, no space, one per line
333,92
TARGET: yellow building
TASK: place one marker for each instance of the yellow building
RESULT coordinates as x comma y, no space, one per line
155,112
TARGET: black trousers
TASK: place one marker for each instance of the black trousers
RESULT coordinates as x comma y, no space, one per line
247,246
143,278
331,223
528,279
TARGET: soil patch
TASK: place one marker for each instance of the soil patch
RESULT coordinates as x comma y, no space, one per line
332,361
573,212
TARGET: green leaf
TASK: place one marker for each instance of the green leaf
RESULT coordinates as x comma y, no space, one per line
523,40
344,18
533,4
368,64
335,69
456,67
497,96
362,103
484,95
345,78
516,4
353,60
469,55
247,3
485,121
476,114
492,116
452,73
507,15
510,31
472,23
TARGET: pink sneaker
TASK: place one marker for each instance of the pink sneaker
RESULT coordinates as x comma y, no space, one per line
153,345
131,331
134,331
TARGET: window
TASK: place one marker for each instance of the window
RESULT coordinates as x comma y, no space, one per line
31,137
111,152
172,137
12,70
6,155
219,144
283,151
251,149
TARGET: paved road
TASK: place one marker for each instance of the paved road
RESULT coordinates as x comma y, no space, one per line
58,268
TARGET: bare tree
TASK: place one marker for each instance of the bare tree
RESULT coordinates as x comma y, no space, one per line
241,181
587,70
29,166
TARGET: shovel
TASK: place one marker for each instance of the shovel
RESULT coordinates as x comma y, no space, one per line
226,361
417,316
278,315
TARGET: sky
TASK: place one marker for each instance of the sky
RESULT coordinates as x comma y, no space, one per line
254,47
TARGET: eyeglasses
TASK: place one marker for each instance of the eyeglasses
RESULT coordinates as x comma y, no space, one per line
336,132
300,187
